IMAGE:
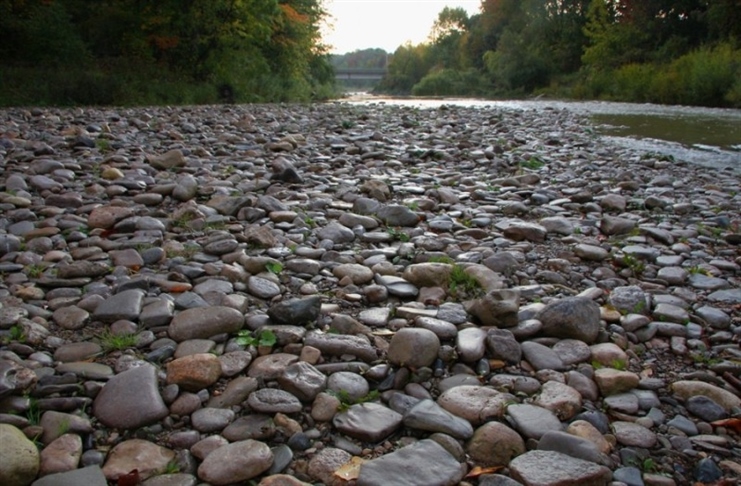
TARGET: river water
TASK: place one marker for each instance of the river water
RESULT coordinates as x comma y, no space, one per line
709,137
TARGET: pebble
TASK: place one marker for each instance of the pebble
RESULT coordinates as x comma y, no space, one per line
599,327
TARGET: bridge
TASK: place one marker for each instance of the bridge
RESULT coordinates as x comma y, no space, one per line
365,74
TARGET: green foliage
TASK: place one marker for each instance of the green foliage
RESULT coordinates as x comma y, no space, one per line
346,401
265,338
447,82
274,267
398,235
462,284
83,52
110,341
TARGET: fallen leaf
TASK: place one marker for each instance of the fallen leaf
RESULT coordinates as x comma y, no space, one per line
731,423
130,479
478,471
351,469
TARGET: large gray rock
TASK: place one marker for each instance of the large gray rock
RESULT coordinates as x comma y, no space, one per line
424,463
296,311
369,422
124,305
571,318
205,322
130,399
498,308
550,468
429,416
236,463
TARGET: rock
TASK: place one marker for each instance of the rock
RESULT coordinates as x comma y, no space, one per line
397,215
303,380
550,468
89,476
433,466
427,415
684,389
533,421
369,422
194,372
336,233
61,455
147,458
498,308
116,405
124,305
236,462
324,464
169,160
20,463
560,399
204,322
494,444
477,404
296,311
633,435
571,318
413,347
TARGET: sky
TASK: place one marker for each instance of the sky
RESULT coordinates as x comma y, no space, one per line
362,24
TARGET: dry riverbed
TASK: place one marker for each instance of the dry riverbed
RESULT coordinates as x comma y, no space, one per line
375,295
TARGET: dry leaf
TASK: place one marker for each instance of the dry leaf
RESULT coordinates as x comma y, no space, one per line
130,479
478,471
731,423
351,469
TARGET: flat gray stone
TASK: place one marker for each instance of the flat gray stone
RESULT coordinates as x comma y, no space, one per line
124,305
130,399
369,422
89,476
533,421
550,468
429,416
424,463
205,322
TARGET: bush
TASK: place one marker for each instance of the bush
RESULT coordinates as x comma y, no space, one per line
451,82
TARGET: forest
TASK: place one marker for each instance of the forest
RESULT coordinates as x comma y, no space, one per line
662,51
135,52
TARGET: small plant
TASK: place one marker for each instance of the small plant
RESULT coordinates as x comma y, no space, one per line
116,342
33,414
398,235
533,163
696,269
17,334
186,252
414,205
274,267
461,283
63,427
34,270
636,265
347,124
442,259
309,222
215,225
648,465
266,338
172,467
104,145
619,364
183,221
704,359
346,401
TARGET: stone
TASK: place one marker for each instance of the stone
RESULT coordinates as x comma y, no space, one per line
89,476
61,455
130,400
204,322
494,444
684,389
429,416
477,404
560,399
20,463
413,347
369,422
550,468
498,308
146,457
194,372
533,421
124,305
433,466
296,311
236,462
571,318
303,380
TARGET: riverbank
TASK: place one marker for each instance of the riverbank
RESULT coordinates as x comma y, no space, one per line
279,293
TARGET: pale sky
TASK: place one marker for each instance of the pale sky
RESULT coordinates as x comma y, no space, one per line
361,24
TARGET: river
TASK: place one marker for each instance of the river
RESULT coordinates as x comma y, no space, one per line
709,137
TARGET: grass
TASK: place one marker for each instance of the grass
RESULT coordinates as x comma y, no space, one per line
461,283
442,259
265,338
116,342
16,334
33,414
346,401
398,235
533,163
636,265
187,252
34,270
274,267
617,364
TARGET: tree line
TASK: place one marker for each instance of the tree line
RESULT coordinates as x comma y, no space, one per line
674,52
162,51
